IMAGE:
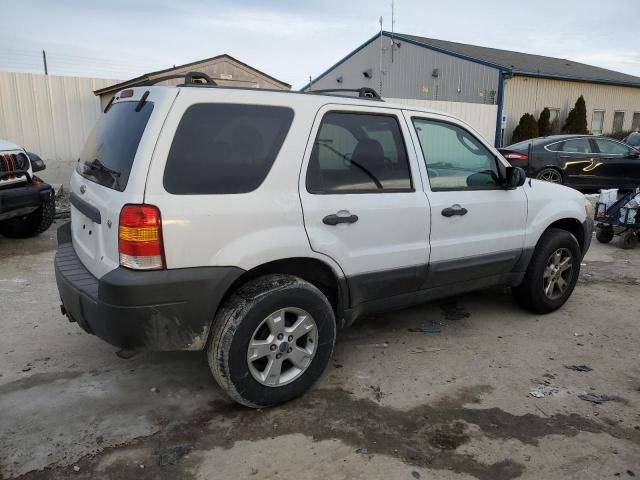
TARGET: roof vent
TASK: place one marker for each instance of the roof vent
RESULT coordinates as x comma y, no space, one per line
339,79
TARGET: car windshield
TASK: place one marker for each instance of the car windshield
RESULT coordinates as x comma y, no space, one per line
107,156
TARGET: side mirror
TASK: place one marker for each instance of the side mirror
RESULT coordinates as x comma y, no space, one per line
37,164
516,177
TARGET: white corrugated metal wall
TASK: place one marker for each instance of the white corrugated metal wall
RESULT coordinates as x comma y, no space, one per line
49,115
480,117
531,95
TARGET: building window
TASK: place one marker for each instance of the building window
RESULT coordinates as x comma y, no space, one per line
618,121
635,123
554,119
597,121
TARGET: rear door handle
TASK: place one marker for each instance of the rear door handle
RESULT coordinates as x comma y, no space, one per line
454,210
334,219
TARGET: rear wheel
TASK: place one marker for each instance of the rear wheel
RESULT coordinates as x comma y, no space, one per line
271,340
628,240
604,234
550,175
552,273
31,224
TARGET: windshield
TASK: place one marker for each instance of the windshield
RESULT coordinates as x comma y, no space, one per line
107,156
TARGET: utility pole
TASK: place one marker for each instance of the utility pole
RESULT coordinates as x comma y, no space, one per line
44,60
393,21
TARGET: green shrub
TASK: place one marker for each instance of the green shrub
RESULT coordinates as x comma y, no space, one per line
577,118
527,128
544,123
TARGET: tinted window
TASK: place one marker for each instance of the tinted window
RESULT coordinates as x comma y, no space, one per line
455,159
634,139
611,148
358,153
520,146
107,156
575,145
225,148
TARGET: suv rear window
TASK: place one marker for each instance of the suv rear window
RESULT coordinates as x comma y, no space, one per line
109,151
225,148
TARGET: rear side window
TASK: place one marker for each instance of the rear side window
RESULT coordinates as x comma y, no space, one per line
107,156
225,148
358,153
575,145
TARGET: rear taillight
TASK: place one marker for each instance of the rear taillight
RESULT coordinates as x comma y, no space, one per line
515,156
140,238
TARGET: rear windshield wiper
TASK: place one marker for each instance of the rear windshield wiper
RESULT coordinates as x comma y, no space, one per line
97,165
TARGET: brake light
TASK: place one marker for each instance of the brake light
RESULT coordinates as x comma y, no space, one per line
515,156
126,93
140,238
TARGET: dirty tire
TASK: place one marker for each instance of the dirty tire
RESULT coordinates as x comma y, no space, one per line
628,240
234,326
604,234
530,293
31,224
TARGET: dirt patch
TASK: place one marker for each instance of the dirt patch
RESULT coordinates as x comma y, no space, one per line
425,436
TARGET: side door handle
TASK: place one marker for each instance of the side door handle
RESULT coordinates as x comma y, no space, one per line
334,219
454,210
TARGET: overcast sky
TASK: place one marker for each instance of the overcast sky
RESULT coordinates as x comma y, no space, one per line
291,39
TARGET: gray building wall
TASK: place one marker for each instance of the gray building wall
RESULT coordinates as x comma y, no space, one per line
410,75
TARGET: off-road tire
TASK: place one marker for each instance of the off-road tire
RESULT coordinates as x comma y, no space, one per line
530,293
628,240
238,318
604,234
31,224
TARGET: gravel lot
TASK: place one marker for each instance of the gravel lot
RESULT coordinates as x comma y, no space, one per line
393,404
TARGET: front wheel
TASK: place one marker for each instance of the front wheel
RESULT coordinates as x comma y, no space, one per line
550,175
271,340
31,224
552,273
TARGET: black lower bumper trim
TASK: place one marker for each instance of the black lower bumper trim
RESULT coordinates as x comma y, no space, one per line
155,310
19,198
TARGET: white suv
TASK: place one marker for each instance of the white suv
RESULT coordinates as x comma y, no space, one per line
254,223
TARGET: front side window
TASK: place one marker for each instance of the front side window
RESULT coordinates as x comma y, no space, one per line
575,145
608,147
455,159
358,153
225,148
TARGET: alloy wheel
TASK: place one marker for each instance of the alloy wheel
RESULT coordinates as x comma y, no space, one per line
550,175
558,273
282,347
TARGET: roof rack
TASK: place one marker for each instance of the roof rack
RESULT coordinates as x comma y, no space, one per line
364,92
191,79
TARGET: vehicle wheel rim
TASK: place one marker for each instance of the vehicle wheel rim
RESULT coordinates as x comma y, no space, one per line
558,273
282,347
550,175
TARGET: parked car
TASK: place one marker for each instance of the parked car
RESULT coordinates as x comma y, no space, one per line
580,161
27,204
633,140
254,223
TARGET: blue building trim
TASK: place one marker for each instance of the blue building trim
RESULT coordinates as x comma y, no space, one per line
498,138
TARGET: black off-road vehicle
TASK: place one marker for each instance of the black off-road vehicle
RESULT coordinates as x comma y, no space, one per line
27,204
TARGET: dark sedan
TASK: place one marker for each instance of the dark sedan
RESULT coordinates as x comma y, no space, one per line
580,161
633,139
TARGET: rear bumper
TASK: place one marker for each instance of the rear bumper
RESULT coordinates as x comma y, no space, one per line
155,310
15,201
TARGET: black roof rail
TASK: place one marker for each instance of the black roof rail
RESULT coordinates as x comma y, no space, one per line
364,92
191,79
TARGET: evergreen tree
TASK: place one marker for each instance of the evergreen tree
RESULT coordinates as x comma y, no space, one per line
544,124
527,128
577,118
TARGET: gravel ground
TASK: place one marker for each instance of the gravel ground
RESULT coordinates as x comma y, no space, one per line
393,404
